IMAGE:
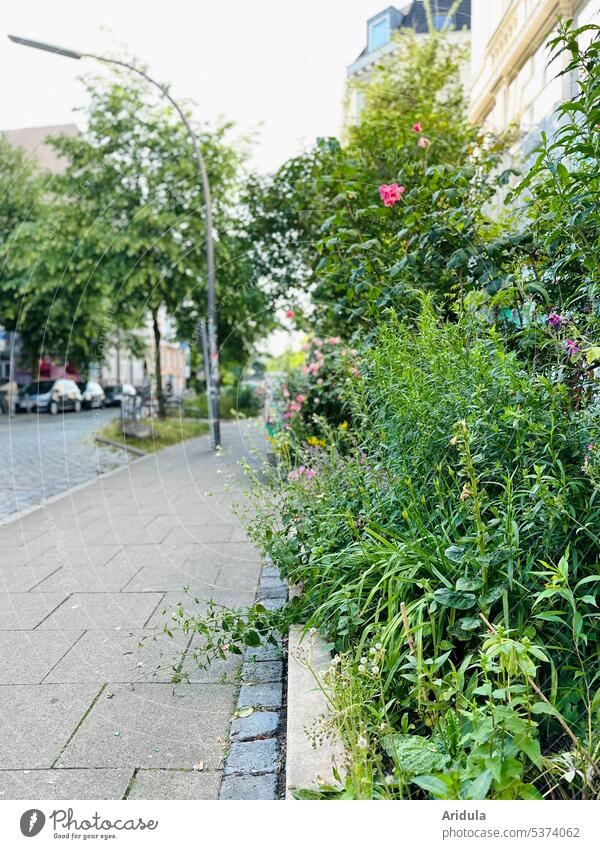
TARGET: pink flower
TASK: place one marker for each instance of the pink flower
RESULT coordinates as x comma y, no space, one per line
423,142
391,194
590,447
571,347
318,342
305,370
417,128
555,320
290,314
310,473
300,399
334,340
286,394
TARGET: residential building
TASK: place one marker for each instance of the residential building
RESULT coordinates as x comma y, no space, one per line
444,15
513,84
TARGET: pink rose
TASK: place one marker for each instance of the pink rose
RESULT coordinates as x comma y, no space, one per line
391,194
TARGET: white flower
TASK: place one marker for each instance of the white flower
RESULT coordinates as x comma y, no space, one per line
363,660
362,667
383,726
389,779
312,632
374,669
362,743
372,651
378,646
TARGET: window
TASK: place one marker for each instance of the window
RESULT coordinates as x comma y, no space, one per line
444,21
379,33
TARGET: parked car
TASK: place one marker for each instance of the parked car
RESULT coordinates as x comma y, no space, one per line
114,394
92,394
50,396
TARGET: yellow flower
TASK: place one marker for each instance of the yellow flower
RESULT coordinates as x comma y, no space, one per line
344,426
315,441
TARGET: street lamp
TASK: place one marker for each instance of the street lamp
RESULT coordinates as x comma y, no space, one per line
212,367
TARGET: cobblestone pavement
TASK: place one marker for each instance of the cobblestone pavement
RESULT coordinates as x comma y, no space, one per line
42,455
87,582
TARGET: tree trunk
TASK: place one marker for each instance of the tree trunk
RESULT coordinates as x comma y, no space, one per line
162,414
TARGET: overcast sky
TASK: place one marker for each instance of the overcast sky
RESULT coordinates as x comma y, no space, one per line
276,63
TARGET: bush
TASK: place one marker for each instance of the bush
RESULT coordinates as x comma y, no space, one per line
451,532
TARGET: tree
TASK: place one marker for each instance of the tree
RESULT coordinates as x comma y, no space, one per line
361,257
128,239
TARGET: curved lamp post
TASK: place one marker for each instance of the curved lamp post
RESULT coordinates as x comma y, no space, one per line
212,367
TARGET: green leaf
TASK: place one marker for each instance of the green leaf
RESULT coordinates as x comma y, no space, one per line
458,600
413,754
432,784
479,787
545,708
455,553
469,584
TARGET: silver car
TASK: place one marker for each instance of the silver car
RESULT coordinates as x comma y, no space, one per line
50,396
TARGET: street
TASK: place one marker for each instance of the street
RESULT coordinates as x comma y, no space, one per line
42,455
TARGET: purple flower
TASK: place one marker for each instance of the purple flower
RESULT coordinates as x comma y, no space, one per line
555,320
571,347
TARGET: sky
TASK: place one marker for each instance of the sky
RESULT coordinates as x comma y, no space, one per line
276,66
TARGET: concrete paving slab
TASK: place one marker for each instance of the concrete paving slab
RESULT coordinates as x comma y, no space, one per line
64,783
82,578
155,725
121,657
37,720
20,579
26,657
175,784
23,611
102,610
162,577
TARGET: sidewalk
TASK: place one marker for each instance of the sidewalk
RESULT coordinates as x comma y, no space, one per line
85,712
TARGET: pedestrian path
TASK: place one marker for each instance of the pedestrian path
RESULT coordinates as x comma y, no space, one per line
88,707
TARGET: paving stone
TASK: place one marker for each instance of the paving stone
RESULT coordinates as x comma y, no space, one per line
265,652
27,656
175,784
103,610
272,583
82,578
259,724
164,578
273,603
121,657
238,576
154,725
260,695
37,720
23,611
196,603
20,579
200,533
64,783
251,757
256,787
261,673
273,592
270,571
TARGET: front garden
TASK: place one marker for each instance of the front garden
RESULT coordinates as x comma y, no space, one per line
436,495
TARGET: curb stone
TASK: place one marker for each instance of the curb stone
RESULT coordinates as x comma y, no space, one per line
252,765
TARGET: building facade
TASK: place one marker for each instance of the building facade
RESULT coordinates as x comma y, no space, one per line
513,83
419,17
